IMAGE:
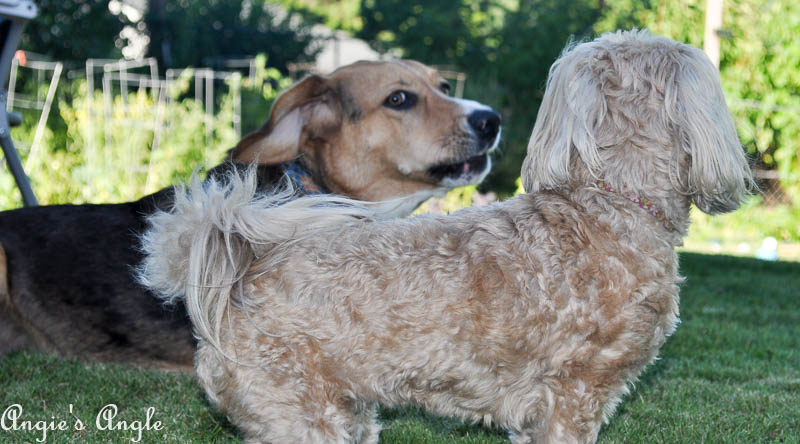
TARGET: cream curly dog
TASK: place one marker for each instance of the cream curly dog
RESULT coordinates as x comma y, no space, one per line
534,314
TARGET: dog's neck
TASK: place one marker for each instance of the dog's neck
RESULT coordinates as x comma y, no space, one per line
642,201
666,213
302,179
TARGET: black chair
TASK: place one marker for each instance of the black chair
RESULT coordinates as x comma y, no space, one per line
13,16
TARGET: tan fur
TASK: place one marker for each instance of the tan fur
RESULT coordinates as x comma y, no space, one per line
357,147
534,314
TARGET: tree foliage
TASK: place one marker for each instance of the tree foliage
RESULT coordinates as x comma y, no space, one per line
181,33
681,20
760,70
189,33
337,14
74,30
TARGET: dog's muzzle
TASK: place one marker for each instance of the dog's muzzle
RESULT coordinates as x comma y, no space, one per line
486,124
475,165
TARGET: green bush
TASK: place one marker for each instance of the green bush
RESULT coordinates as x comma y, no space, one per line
113,158
752,222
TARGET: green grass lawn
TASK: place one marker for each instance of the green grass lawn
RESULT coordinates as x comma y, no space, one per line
730,374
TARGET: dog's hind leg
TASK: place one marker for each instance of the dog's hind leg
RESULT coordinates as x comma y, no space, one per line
12,333
367,430
293,400
13,336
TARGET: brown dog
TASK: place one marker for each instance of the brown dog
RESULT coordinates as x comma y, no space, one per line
372,131
376,130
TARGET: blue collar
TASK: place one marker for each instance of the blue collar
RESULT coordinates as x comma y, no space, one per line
301,179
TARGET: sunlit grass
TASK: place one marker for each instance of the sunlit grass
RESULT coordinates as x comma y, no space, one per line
731,373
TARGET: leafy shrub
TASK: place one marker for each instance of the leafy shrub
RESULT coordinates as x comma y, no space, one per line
113,158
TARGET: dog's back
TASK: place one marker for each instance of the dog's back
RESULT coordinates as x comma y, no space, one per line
49,247
60,293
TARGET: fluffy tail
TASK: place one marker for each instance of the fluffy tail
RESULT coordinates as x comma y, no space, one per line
201,250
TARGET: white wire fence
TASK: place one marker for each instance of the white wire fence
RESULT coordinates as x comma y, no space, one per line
116,130
110,87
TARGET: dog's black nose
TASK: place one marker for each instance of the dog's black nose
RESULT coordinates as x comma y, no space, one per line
486,124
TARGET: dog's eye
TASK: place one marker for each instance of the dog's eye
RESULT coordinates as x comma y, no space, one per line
400,100
397,98
445,87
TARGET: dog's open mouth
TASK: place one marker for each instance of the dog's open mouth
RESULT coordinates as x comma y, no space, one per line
465,172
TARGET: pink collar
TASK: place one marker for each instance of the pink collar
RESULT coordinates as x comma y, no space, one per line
640,200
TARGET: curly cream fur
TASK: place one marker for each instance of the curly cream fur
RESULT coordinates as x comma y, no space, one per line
534,314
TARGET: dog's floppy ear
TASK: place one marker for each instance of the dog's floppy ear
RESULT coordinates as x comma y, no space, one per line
719,176
310,106
572,111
